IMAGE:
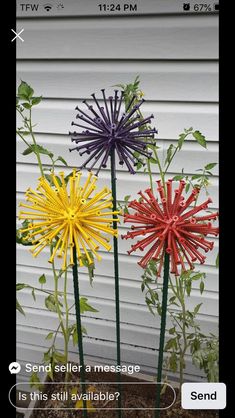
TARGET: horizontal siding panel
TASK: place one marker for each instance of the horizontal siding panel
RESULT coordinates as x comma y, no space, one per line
60,145
131,270
162,81
103,283
101,330
55,117
27,175
126,262
131,312
105,351
157,38
39,339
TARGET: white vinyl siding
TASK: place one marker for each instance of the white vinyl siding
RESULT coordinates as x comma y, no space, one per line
66,59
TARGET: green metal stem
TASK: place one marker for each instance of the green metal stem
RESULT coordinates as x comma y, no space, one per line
163,330
116,276
79,327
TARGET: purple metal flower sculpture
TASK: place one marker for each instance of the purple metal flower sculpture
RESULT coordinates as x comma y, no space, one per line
108,128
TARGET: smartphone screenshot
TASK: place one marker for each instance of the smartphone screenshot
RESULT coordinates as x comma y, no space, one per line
117,230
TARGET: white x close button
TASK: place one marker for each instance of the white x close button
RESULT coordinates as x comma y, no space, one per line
203,396
17,35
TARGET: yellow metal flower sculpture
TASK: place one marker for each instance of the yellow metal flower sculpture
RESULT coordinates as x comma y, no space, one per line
68,215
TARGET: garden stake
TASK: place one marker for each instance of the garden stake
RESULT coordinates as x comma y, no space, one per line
79,327
106,130
70,212
116,275
173,232
163,330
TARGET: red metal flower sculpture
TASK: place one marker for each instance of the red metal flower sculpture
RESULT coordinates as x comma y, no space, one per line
169,228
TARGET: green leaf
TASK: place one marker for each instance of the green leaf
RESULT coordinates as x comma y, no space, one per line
50,374
66,179
90,267
37,149
22,241
75,336
169,153
196,309
26,105
20,286
200,138
172,343
126,198
139,165
36,100
25,133
21,237
153,147
47,357
178,177
173,362
85,307
188,287
152,160
62,160
187,187
197,276
25,92
42,279
33,294
19,307
42,150
49,336
190,336
202,286
50,303
159,310
27,151
210,166
196,176
48,177
59,357
171,331
181,140
35,381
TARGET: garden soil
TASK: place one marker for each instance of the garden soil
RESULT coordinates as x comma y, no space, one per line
133,396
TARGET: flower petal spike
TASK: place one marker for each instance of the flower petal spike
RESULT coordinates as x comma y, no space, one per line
107,127
65,213
167,224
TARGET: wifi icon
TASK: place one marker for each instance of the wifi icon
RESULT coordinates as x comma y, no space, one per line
47,7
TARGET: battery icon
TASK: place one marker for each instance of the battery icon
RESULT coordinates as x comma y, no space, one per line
216,7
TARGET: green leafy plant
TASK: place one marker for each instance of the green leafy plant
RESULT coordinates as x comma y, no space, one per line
184,334
56,300
25,102
205,355
184,330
